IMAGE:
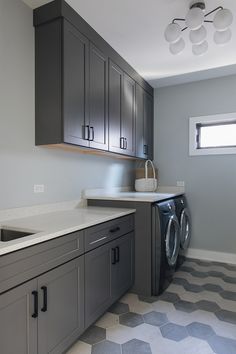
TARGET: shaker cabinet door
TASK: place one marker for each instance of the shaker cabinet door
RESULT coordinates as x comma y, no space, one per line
97,283
115,111
18,329
144,124
61,307
128,116
98,98
123,271
75,86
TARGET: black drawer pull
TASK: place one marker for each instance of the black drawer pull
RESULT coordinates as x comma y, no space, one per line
115,229
113,256
35,295
117,254
45,299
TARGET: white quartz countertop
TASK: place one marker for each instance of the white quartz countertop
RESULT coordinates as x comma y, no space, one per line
132,196
54,224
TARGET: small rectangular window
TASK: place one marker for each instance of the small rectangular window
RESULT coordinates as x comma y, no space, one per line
212,134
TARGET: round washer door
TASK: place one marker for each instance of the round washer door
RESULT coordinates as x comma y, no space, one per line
172,240
185,229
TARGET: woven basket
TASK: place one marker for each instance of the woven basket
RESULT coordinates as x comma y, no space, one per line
147,184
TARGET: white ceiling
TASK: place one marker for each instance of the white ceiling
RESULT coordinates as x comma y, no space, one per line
135,29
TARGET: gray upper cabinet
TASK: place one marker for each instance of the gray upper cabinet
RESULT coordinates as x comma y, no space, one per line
115,108
18,332
128,116
121,111
98,98
144,124
75,86
85,91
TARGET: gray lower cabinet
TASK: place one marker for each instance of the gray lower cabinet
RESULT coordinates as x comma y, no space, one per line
44,315
61,307
108,275
123,270
18,329
67,284
98,270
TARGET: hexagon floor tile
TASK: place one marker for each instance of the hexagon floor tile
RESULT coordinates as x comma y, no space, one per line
195,316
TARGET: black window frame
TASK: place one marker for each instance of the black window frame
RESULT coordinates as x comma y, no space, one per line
202,125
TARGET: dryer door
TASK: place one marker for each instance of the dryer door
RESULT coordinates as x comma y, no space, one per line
185,229
172,240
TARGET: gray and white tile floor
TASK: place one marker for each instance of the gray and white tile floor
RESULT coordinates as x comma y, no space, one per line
195,315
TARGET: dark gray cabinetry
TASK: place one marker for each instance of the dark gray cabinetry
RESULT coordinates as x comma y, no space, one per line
44,315
108,275
18,329
76,277
61,307
98,98
73,102
71,88
144,123
128,116
123,269
97,283
75,86
121,111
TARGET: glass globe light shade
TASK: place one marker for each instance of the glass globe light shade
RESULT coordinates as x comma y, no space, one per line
222,37
177,47
194,18
223,19
198,36
172,32
199,49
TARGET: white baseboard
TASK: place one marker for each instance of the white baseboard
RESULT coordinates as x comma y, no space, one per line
211,255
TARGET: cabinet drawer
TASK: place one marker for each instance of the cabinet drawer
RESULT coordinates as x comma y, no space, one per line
20,266
98,235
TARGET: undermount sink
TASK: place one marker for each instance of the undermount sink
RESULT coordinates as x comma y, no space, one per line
7,235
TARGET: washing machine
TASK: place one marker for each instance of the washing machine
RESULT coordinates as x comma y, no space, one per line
165,244
184,218
183,215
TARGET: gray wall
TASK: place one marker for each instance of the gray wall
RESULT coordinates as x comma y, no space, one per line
22,164
210,180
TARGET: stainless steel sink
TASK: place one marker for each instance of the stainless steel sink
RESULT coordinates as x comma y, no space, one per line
7,235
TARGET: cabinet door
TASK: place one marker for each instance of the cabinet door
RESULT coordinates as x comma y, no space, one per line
61,307
115,112
123,271
97,283
144,124
128,116
98,99
75,86
18,329
141,149
148,125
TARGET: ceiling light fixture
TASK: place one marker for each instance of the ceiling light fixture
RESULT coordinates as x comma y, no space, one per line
194,21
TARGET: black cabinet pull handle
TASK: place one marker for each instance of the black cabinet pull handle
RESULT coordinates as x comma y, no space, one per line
86,132
91,136
113,256
117,254
126,144
45,299
145,149
122,143
35,295
115,229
